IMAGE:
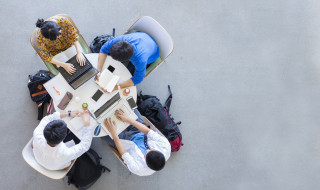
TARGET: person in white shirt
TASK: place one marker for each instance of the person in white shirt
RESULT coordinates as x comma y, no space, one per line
48,147
143,150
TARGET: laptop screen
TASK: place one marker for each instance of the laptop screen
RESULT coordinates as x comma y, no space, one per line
107,105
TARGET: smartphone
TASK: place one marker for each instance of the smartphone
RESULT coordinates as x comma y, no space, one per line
97,95
131,102
111,69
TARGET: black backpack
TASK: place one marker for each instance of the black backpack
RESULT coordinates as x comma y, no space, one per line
86,171
37,91
159,115
98,42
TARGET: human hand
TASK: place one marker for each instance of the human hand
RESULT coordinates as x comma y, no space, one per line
85,118
97,76
81,59
117,87
74,113
111,126
69,68
122,116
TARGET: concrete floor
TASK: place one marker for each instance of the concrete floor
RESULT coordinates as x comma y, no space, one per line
246,82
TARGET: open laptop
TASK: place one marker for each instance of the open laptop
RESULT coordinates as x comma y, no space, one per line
108,109
82,74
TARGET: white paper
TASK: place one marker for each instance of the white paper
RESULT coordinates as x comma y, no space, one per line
66,55
108,80
77,125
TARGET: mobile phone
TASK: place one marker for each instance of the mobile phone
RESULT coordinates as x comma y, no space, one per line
131,102
97,95
111,69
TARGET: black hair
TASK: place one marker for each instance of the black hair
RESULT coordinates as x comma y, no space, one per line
155,160
55,132
121,51
49,29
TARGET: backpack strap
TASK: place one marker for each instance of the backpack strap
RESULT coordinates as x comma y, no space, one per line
167,104
172,121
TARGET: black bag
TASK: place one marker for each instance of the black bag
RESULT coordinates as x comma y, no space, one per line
37,91
98,42
150,107
86,171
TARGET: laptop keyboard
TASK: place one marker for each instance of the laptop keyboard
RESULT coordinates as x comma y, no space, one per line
79,69
82,79
111,114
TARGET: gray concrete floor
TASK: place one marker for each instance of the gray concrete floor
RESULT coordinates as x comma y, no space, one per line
246,82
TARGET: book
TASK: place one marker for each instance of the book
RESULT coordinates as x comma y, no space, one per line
66,55
76,125
108,80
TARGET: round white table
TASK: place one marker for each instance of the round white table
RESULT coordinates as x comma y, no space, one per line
87,90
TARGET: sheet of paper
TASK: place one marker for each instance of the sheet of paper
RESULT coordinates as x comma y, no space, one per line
66,55
76,125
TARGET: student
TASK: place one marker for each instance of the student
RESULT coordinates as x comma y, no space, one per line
50,146
56,35
143,150
139,48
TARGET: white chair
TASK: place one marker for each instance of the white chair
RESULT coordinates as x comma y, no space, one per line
163,39
28,156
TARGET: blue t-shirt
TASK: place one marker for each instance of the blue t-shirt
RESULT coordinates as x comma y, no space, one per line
146,51
138,139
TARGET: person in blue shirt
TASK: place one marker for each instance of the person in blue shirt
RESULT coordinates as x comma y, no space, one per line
139,48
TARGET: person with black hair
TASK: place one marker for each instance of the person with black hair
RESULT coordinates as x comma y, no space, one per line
143,150
56,35
137,49
52,145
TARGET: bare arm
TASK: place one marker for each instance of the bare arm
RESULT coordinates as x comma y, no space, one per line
144,129
73,114
67,66
125,84
112,129
56,62
101,59
80,58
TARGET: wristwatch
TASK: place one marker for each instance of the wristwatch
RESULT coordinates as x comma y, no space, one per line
69,113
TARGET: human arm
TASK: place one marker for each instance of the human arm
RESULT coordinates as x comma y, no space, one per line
85,143
80,57
112,129
72,114
124,117
125,84
67,66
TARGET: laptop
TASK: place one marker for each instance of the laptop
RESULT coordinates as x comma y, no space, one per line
108,109
82,74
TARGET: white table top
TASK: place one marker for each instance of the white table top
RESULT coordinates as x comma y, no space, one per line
86,91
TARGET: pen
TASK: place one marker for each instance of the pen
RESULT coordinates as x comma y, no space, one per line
56,90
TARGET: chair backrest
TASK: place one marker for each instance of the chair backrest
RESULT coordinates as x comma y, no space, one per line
159,34
150,26
28,156
117,154
148,123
